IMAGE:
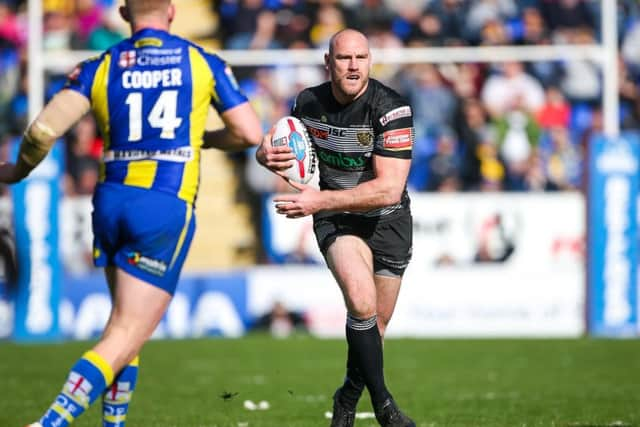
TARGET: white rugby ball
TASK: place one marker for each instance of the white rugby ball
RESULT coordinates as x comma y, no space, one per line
291,131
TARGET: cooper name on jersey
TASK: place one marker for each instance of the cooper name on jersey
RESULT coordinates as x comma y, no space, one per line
147,79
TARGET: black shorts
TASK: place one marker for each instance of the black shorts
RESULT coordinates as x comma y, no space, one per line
390,240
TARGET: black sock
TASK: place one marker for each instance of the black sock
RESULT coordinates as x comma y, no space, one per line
353,386
365,345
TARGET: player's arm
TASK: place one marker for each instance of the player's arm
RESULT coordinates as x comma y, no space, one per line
242,130
384,190
56,118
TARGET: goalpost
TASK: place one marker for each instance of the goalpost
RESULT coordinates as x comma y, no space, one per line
604,54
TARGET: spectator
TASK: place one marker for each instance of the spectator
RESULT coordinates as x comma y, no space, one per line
82,158
329,20
518,135
432,102
581,79
483,11
444,165
567,15
556,111
562,160
512,87
473,128
280,322
450,15
108,33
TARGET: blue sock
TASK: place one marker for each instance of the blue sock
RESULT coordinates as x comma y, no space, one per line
115,400
86,381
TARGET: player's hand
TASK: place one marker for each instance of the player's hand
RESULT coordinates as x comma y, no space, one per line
276,159
296,205
10,173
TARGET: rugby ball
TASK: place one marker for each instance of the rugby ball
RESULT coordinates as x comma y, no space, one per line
292,132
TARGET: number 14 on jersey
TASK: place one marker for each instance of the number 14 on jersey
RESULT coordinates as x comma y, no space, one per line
162,116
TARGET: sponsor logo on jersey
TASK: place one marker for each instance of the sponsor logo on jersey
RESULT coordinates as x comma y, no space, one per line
146,59
182,154
148,41
342,160
395,114
364,138
127,59
397,139
337,132
318,133
150,265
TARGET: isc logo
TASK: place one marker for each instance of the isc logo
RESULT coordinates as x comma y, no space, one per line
337,132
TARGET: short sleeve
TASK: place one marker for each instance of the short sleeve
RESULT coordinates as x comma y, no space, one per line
81,78
393,127
226,91
295,108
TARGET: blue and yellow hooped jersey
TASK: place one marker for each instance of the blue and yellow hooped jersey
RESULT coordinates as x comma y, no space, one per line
150,95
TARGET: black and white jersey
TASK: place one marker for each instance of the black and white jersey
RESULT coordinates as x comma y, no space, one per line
346,137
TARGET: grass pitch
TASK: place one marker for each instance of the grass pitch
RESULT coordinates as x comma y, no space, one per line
203,383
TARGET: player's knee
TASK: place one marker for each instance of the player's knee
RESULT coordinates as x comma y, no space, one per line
362,310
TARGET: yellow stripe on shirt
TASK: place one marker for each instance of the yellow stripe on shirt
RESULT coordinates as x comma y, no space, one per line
141,173
99,98
202,84
100,104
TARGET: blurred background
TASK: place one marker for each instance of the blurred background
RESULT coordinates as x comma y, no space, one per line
524,176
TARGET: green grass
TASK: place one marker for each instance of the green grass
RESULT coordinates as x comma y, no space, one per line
573,383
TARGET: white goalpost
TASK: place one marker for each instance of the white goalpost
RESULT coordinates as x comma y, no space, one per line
605,54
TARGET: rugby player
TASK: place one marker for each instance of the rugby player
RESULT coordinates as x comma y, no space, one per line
363,135
150,95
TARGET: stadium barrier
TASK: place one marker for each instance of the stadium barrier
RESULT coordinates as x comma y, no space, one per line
491,264
484,265
612,262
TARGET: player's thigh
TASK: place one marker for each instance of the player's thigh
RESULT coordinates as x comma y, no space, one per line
350,260
138,305
137,309
387,290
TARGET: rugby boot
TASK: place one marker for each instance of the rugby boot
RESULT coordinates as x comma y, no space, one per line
391,416
343,416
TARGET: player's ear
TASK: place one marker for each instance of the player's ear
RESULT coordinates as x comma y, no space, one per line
171,12
326,61
124,13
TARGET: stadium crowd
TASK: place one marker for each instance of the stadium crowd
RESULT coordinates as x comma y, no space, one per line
479,127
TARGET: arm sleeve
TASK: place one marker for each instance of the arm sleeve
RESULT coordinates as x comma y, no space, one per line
226,91
393,128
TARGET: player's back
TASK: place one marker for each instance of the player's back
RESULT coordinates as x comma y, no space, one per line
150,95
